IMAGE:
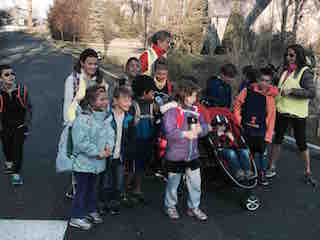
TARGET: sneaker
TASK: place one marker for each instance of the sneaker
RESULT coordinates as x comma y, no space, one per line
248,174
81,223
138,198
70,194
114,207
240,175
172,213
8,168
263,180
95,218
16,179
309,179
271,172
197,213
126,201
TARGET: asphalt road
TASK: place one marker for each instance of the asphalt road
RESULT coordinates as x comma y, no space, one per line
290,209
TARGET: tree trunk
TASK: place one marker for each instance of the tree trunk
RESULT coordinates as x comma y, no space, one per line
295,19
258,8
61,35
284,7
30,24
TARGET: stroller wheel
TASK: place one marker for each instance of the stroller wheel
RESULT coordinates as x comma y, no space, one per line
252,203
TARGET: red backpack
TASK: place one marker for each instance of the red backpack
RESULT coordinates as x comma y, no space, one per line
21,95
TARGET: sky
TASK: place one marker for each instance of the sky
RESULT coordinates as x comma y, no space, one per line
40,7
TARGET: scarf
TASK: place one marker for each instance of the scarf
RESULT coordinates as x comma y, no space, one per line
291,68
160,85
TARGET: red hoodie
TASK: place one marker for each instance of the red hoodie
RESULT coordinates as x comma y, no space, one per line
270,92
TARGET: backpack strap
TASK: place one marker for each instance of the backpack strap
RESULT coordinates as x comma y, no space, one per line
169,87
137,115
76,83
22,94
180,117
1,104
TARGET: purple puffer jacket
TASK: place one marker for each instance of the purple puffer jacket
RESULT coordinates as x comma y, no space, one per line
178,148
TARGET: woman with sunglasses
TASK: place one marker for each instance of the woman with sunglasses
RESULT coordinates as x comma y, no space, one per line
296,88
15,120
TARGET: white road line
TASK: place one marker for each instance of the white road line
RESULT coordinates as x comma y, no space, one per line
32,229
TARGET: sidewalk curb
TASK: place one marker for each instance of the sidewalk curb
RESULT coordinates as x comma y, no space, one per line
292,141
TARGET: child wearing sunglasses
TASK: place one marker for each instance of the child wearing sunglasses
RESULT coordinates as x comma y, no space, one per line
15,120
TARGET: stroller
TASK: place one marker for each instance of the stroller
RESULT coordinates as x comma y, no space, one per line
214,151
211,156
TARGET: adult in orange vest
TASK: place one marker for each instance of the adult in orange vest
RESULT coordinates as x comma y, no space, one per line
160,45
296,88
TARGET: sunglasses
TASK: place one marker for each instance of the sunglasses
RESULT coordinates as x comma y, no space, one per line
9,74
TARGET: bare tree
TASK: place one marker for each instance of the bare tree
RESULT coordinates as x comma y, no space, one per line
30,24
299,4
258,8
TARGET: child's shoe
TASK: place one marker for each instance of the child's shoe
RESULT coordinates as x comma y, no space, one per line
197,213
240,175
309,179
126,201
95,218
80,223
172,213
16,179
248,174
263,180
271,172
114,207
8,167
70,194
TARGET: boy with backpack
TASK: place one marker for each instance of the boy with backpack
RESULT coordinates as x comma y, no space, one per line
254,109
15,121
144,116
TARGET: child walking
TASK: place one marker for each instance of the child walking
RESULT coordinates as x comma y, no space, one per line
15,121
182,126
255,110
93,142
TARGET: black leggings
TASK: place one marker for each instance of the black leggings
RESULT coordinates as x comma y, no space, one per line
299,130
12,141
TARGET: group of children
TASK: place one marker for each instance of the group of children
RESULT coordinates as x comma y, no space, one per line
118,130
110,133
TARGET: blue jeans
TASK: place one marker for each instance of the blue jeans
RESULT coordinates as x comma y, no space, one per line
85,200
238,159
261,161
193,180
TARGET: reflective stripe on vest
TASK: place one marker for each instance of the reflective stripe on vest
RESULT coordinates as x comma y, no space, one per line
152,57
1,104
292,105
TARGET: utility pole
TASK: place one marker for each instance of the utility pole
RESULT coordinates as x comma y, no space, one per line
30,24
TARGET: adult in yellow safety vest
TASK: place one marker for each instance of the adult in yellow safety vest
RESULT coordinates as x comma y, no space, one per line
296,88
160,45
